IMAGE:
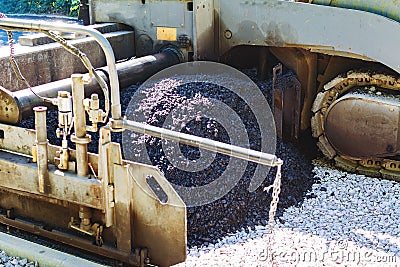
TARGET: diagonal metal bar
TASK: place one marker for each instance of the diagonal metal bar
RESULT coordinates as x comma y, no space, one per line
208,144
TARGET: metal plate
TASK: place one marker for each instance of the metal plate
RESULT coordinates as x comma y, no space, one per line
9,110
168,14
159,226
286,105
363,126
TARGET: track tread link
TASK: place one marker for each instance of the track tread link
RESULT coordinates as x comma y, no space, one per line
377,167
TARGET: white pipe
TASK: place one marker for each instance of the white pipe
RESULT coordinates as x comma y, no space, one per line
18,24
41,144
80,138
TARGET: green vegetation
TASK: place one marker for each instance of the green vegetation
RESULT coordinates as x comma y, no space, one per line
60,7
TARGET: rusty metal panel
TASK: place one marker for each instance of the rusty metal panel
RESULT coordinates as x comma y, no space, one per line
105,173
145,17
205,30
286,104
16,139
17,173
140,218
123,190
21,140
159,219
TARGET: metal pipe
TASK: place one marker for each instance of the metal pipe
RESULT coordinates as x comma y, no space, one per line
17,24
41,145
80,138
204,143
19,104
85,214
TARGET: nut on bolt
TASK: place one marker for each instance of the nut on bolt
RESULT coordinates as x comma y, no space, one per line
228,34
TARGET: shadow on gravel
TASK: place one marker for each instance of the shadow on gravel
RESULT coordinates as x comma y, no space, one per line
240,209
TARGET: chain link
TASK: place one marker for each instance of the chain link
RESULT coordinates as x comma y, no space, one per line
14,63
276,189
98,236
72,49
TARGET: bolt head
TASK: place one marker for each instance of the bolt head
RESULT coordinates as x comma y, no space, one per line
228,34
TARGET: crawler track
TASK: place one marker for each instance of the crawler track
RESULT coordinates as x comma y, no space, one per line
377,167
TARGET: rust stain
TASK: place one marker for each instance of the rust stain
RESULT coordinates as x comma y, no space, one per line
96,194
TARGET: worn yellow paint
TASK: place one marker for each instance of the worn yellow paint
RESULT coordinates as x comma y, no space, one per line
166,34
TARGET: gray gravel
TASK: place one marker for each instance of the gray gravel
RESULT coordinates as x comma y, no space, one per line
351,220
9,261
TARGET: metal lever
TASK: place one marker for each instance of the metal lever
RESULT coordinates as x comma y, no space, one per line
208,144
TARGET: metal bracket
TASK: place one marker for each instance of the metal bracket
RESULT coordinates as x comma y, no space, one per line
138,257
95,230
286,104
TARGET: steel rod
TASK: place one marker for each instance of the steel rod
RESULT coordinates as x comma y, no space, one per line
41,145
204,143
80,137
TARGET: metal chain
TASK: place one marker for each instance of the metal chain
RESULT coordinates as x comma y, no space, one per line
14,63
276,189
72,49
98,236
